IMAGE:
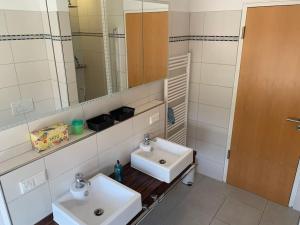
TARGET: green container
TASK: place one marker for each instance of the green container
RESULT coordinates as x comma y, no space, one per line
77,127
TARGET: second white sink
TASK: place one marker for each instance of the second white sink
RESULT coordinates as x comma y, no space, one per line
165,162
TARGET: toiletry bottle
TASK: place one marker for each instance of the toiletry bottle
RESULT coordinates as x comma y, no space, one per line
118,172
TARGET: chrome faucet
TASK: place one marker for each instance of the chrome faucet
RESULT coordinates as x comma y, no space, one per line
147,139
80,182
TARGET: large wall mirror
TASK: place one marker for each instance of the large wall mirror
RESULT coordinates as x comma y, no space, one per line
58,53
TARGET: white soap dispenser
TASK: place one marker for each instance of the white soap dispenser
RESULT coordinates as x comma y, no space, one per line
80,188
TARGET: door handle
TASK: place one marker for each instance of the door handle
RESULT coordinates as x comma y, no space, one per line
293,120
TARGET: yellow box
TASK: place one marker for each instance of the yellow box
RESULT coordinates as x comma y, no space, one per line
49,136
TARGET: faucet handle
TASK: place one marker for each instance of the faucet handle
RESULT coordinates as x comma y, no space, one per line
147,136
79,176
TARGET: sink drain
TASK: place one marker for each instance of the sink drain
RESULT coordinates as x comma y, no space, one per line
162,161
98,212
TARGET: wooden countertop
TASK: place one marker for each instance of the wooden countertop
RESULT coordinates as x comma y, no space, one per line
146,185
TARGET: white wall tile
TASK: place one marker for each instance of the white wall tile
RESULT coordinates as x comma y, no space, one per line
24,22
43,107
193,111
194,92
3,27
5,53
58,51
196,48
64,22
220,52
10,182
197,23
32,71
7,76
178,48
215,95
180,24
70,72
141,123
116,134
29,50
214,74
68,51
210,168
61,184
70,157
210,151
15,151
213,115
38,91
14,136
101,106
88,168
73,92
65,116
210,134
195,73
223,23
40,207
120,152
7,96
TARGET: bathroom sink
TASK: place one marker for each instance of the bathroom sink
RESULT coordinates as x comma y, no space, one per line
164,162
108,203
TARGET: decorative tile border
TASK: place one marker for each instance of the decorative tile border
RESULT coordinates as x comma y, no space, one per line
34,37
69,38
80,34
203,38
111,35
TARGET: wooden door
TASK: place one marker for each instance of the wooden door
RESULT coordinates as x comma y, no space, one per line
155,44
134,39
265,147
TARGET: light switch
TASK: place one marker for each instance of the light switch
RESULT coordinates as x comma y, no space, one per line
154,118
33,182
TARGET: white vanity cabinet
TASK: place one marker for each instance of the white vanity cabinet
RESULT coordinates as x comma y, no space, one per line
30,190
27,193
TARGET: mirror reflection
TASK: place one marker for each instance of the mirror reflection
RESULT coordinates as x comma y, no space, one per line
53,58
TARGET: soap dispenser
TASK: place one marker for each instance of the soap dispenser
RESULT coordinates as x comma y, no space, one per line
118,172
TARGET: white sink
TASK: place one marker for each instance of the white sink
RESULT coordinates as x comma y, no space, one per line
120,204
175,158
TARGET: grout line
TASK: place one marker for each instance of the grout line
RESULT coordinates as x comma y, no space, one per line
215,216
263,212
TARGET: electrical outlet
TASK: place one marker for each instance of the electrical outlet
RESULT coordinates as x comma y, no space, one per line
33,182
27,185
154,118
22,106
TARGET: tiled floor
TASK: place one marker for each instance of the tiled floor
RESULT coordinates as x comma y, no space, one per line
209,202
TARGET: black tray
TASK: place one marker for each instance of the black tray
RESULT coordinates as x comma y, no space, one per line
100,123
122,113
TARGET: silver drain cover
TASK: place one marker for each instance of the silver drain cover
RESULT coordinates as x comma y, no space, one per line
162,161
98,212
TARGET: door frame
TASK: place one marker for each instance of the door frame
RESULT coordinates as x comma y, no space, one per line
250,4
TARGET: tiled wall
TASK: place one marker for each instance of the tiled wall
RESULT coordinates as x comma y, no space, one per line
26,67
95,154
15,141
214,41
87,32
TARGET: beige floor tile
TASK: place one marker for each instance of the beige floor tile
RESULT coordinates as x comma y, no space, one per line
236,213
218,222
275,214
248,198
